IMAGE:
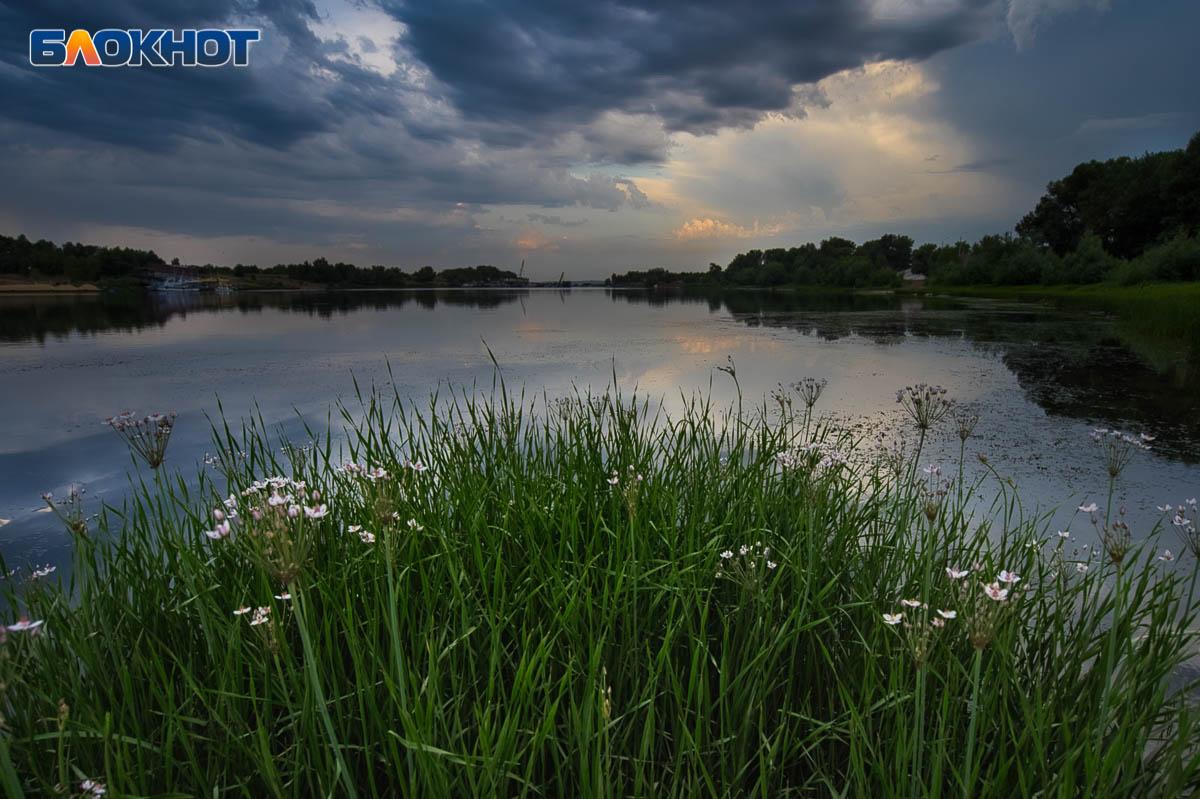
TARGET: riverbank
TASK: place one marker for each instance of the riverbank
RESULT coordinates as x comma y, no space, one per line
15,287
581,598
1095,292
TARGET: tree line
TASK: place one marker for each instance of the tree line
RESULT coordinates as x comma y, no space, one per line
40,261
1125,220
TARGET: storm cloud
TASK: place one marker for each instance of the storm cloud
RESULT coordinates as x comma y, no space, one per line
409,131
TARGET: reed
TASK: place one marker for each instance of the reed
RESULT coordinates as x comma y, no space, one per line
495,595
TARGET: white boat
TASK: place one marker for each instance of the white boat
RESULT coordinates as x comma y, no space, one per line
174,283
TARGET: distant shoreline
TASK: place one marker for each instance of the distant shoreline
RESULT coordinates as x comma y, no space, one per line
48,288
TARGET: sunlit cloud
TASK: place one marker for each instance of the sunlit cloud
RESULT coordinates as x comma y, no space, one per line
861,160
708,228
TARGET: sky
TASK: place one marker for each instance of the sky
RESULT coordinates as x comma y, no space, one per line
585,138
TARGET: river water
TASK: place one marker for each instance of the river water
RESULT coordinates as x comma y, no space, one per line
1040,375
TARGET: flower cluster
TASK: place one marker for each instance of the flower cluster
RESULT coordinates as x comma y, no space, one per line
1118,448
926,405
372,473
919,625
749,566
965,420
259,615
629,486
69,510
1114,534
810,390
147,436
1185,518
92,788
44,571
274,509
983,609
365,536
816,456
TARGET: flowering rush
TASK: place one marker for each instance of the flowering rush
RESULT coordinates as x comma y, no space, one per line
994,592
365,536
24,625
147,436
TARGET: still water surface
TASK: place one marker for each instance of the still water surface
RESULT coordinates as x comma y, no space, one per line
1041,376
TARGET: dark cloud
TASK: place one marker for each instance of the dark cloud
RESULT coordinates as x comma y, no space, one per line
978,165
546,104
698,65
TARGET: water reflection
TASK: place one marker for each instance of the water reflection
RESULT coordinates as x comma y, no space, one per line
42,316
1040,374
1071,361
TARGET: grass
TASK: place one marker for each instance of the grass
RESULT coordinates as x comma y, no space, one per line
558,619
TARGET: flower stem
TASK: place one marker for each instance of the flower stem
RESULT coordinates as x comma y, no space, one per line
969,765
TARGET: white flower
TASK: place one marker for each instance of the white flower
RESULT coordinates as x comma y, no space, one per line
948,614
1091,507
995,592
726,555
771,564
612,481
261,616
956,574
743,549
25,625
893,618
354,528
367,538
316,512
1166,556
415,526
1009,577
92,788
241,611
219,532
230,502
284,597
1081,567
378,473
911,603
936,622
218,515
276,499
1064,534
417,466
45,571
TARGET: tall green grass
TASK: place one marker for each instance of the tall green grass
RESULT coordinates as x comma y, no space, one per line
558,619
